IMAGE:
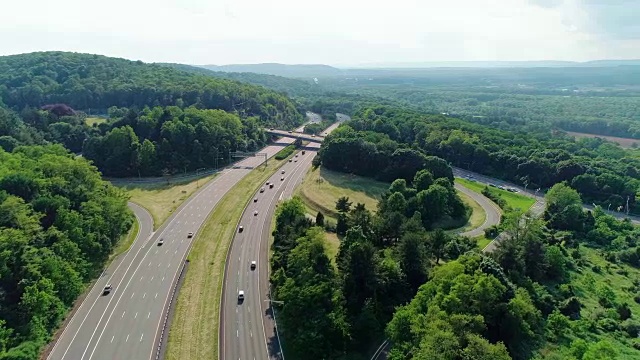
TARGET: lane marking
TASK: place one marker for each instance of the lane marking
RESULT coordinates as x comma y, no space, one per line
127,338
123,314
144,295
149,314
141,337
112,338
149,263
132,295
135,317
156,296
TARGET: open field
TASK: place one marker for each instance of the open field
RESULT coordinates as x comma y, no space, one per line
623,142
321,189
194,329
514,200
94,120
332,244
162,199
482,241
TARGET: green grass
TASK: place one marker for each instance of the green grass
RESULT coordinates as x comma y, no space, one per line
478,215
162,199
332,245
125,242
194,329
584,281
514,200
321,189
90,121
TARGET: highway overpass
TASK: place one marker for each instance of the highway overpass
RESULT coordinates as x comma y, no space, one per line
295,135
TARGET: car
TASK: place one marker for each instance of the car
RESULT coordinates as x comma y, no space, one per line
290,160
296,161
107,289
271,186
290,132
501,187
240,295
302,152
512,189
253,265
190,235
255,213
160,242
240,228
492,185
261,190
267,184
255,199
271,129
296,155
282,178
313,135
282,172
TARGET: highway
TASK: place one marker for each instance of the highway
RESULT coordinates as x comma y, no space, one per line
126,323
247,329
492,211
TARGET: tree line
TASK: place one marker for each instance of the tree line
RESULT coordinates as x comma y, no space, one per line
59,222
600,171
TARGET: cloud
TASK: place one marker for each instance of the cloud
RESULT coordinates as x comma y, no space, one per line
328,31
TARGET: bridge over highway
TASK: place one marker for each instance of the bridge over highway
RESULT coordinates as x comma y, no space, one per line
295,135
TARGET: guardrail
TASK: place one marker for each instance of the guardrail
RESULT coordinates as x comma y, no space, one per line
168,310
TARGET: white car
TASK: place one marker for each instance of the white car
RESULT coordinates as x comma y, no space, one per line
255,199
240,228
282,172
282,178
240,295
253,265
160,242
255,213
261,190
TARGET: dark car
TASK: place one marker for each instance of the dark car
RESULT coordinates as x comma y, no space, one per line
107,289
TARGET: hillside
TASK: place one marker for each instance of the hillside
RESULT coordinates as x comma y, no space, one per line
94,83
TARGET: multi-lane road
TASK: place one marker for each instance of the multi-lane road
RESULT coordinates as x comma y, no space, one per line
126,323
247,328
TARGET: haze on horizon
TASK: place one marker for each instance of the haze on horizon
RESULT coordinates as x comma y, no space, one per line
332,32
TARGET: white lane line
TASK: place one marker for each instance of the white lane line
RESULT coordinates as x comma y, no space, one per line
163,278
132,295
151,279
149,263
144,295
176,252
169,265
156,296
123,314
141,278
141,337
112,338
237,333
251,333
149,314
181,241
158,264
157,251
136,316
127,338
166,252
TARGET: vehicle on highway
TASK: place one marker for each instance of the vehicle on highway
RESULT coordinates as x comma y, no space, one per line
313,135
282,172
296,155
240,295
296,161
255,199
160,242
271,186
107,289
267,184
271,129
255,213
190,235
261,190
302,152
240,228
290,160
501,187
253,265
290,132
492,185
282,178
512,189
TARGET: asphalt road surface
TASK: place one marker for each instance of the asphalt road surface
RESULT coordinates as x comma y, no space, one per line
492,211
247,328
125,324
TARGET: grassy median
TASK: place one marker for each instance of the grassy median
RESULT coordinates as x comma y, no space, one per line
162,199
194,328
478,215
514,200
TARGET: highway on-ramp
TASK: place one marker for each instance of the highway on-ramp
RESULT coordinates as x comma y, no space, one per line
247,328
126,323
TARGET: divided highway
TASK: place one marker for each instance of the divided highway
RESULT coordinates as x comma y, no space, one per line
247,328
125,324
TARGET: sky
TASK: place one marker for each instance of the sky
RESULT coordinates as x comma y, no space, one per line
333,32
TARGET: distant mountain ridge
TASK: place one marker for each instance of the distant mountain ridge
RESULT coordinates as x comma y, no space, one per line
292,71
497,64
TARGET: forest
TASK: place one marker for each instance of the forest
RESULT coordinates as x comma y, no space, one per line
541,294
382,260
59,222
155,120
600,171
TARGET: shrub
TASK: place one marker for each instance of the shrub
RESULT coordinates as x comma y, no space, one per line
285,153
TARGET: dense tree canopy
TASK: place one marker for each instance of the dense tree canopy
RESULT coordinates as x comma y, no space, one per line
58,224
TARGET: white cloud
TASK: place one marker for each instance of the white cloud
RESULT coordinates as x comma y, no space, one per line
302,31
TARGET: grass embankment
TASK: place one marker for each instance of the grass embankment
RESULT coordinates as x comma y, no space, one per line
194,328
90,121
125,242
321,189
162,199
513,200
478,215
594,272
